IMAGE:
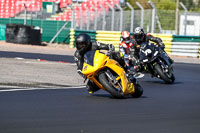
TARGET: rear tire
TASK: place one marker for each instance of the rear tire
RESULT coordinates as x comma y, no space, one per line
163,75
103,79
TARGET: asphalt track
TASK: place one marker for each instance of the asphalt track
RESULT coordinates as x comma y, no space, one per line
162,108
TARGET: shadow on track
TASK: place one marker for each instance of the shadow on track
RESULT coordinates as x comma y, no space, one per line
109,96
163,83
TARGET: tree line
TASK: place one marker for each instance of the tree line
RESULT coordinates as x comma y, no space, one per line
192,5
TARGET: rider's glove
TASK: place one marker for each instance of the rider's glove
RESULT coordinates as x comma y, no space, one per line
138,65
80,73
111,47
162,45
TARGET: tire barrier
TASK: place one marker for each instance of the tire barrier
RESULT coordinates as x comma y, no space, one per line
22,34
48,28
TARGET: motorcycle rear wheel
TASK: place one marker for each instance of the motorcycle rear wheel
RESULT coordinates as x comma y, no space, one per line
103,79
167,79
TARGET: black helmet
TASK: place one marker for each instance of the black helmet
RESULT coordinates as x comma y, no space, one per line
139,34
83,43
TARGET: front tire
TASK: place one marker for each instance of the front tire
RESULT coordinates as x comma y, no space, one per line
138,91
103,79
168,80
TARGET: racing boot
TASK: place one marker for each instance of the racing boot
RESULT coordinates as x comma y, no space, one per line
171,61
135,71
92,87
132,79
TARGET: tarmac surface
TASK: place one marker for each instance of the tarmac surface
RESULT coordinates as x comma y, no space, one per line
41,92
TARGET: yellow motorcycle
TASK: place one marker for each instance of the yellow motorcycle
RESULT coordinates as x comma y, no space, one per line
107,74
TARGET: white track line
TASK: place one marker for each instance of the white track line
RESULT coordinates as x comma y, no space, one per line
31,89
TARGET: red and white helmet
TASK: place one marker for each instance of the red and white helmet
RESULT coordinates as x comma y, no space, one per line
126,37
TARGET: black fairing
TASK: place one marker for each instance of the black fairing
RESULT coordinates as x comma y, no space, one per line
149,59
161,54
150,56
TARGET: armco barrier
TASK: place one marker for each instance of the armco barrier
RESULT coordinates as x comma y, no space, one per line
106,37
109,37
186,45
182,38
174,44
185,49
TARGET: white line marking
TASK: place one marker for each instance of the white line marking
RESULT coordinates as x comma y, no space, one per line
32,89
19,58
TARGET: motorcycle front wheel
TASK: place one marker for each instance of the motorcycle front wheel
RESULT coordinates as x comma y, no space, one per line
138,91
169,79
106,83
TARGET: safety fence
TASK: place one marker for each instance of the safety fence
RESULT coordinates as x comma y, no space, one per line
177,45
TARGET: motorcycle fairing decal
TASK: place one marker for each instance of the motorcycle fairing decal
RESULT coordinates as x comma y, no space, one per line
85,68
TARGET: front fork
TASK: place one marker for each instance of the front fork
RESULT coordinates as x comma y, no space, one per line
113,79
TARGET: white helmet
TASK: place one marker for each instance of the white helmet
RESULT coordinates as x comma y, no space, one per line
139,34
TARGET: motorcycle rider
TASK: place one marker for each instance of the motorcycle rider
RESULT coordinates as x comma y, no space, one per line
84,44
125,45
139,37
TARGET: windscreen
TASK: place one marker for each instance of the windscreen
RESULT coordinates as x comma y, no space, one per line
89,57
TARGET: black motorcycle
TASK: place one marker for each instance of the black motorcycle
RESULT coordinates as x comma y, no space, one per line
156,62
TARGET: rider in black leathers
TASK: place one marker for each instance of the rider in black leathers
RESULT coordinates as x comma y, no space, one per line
84,44
138,38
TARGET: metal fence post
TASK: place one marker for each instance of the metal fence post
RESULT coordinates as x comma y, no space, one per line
95,18
104,17
132,16
159,25
121,17
25,17
73,17
88,18
153,16
81,17
142,13
113,17
185,21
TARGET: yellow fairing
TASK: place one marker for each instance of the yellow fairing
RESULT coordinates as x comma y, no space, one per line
101,61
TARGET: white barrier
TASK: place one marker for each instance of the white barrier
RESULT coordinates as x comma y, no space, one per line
185,49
